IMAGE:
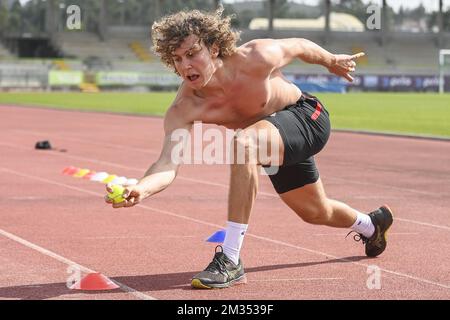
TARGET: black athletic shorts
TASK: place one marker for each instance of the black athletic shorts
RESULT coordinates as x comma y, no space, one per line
305,129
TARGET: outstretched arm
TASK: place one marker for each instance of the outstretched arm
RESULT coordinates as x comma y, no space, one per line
281,52
161,173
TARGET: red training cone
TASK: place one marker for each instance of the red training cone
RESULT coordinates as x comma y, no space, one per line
69,170
94,281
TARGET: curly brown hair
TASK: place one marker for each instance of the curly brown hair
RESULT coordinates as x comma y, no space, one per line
169,32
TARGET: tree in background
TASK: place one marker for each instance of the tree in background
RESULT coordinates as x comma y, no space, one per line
34,11
400,16
418,12
31,16
145,12
359,9
14,23
3,17
354,7
178,5
281,9
432,20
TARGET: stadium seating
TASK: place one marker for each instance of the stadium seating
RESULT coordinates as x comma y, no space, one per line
24,73
406,53
127,50
83,45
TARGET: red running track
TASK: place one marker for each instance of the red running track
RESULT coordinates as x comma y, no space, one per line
49,222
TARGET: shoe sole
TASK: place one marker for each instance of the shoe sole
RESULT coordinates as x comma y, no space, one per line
392,219
386,207
196,283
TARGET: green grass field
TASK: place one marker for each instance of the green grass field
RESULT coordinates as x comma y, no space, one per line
412,113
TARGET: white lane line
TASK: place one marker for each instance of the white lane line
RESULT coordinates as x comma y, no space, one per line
27,198
216,184
123,237
344,234
328,178
400,274
120,166
101,144
45,251
347,181
294,279
138,237
423,223
281,243
71,263
62,259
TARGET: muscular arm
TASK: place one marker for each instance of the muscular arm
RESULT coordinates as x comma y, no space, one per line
305,50
162,173
277,53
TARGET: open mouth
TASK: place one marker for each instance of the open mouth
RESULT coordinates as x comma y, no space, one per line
193,77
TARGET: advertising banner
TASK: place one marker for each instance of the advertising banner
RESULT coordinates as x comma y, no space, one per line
136,78
65,78
368,82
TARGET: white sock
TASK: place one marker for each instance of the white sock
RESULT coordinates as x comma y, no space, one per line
363,225
233,240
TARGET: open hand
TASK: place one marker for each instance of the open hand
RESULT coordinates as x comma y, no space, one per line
344,64
132,196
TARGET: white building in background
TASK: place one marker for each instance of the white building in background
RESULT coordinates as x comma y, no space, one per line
338,22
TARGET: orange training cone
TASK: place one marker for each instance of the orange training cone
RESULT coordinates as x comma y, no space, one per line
94,281
70,170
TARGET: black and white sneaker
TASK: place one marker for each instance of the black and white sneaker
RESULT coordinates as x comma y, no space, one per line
382,219
220,273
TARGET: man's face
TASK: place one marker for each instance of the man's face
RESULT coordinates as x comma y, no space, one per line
194,62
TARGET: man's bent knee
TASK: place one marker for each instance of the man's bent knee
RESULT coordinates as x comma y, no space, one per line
319,215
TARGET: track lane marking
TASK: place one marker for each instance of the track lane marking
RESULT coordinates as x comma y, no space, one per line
112,164
60,258
328,178
278,242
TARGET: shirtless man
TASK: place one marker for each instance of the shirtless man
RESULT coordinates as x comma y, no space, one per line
243,88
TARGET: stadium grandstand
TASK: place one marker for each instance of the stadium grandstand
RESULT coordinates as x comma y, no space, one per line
111,49
338,22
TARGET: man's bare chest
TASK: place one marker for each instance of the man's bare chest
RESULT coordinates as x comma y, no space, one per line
243,101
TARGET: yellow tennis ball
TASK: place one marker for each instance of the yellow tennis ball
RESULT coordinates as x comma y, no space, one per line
116,195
